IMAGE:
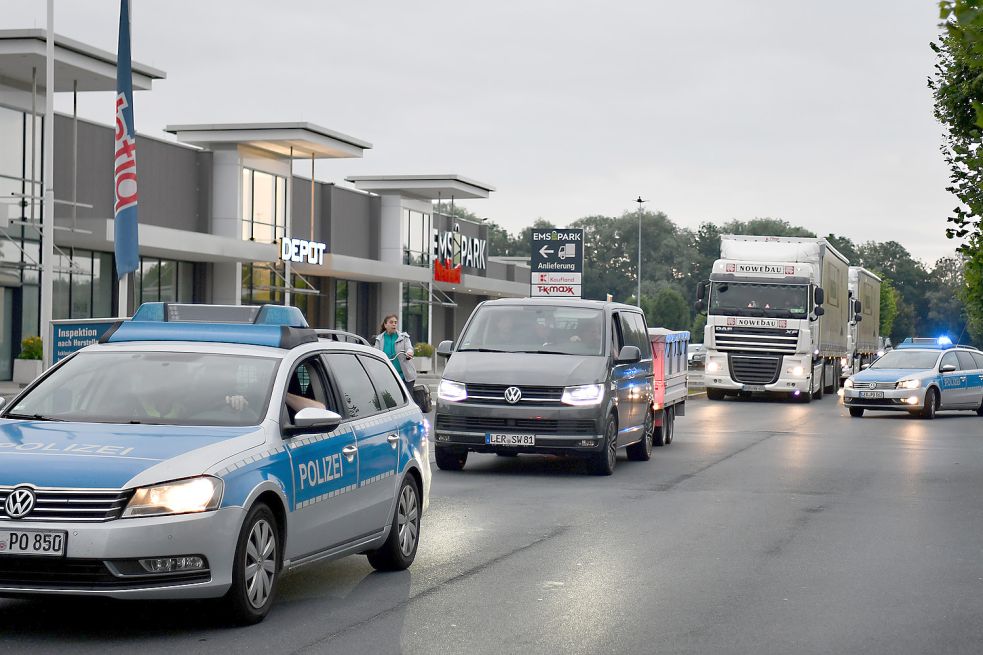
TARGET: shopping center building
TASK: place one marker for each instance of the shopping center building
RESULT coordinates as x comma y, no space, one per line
224,218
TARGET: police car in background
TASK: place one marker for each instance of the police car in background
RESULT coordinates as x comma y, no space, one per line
920,376
199,451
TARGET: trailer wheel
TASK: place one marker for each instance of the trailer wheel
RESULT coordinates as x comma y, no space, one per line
670,428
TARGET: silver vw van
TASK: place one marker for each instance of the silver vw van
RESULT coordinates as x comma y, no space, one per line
547,375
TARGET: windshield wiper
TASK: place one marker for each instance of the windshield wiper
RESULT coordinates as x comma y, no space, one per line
483,350
34,417
544,352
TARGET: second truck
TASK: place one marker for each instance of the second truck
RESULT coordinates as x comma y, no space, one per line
863,342
778,314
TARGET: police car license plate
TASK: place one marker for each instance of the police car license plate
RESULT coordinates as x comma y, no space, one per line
494,439
32,542
871,394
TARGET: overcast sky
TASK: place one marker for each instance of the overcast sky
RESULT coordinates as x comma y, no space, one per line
814,112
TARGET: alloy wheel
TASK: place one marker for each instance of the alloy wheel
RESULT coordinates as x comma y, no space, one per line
260,563
408,520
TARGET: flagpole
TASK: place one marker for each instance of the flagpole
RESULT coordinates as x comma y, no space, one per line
48,211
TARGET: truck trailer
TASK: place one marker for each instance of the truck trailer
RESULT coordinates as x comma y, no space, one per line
777,317
864,337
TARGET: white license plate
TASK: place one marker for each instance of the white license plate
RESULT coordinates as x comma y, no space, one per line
871,394
32,542
510,439
753,387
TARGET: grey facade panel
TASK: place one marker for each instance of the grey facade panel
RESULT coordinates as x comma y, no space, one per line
168,177
351,216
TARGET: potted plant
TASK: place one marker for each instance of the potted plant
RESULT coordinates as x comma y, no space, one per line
28,364
423,357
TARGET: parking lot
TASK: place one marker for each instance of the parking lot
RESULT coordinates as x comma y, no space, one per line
765,527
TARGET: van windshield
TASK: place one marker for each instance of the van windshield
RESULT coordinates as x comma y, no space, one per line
536,329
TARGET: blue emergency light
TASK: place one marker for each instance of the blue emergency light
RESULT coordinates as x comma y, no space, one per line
276,326
930,343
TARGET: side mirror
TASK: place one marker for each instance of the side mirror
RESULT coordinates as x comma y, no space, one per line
857,307
819,296
701,290
858,318
312,419
819,311
444,348
947,368
698,306
629,355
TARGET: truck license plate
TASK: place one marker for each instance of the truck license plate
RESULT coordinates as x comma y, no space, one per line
753,387
494,439
871,394
32,542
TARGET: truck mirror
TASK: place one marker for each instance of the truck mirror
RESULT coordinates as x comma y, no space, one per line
819,296
701,290
857,307
819,311
858,318
444,348
698,306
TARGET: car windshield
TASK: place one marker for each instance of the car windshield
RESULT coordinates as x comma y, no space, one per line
538,329
909,359
758,299
153,387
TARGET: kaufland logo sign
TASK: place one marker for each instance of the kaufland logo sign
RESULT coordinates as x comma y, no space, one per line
781,324
770,269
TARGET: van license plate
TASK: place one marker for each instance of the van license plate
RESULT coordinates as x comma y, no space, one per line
494,439
32,542
871,394
753,387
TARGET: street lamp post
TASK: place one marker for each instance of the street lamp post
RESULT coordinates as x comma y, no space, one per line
638,296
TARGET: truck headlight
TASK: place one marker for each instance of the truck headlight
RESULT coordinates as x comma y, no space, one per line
452,391
848,384
584,394
712,367
909,384
796,371
179,497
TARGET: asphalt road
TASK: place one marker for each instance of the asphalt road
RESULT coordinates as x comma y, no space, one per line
764,528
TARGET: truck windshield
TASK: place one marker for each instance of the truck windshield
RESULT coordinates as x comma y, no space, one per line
166,388
536,329
759,299
908,359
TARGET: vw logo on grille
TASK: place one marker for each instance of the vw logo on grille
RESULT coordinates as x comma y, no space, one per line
19,503
871,385
513,395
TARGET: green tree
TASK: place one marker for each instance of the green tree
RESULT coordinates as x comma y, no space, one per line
668,309
696,331
845,247
889,306
946,307
765,227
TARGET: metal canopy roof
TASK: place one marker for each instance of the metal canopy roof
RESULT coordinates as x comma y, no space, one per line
93,69
424,187
307,140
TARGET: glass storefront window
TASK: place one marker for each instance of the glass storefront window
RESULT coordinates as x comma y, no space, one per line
341,304
264,206
81,286
416,238
247,204
185,282
415,311
103,284
61,286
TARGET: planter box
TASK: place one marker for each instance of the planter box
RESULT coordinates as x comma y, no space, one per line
26,370
423,364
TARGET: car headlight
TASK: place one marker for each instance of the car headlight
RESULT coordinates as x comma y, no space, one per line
179,497
713,367
909,384
452,391
848,384
584,394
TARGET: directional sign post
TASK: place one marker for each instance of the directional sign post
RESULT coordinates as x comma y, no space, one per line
557,263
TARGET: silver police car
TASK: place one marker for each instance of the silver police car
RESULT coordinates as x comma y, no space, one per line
202,459
920,376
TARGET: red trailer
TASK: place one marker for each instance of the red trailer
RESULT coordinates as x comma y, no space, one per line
669,388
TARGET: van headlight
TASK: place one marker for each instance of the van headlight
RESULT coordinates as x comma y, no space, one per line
584,394
908,384
187,496
452,391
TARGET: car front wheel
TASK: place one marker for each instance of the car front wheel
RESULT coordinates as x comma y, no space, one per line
450,459
603,463
856,412
931,400
256,568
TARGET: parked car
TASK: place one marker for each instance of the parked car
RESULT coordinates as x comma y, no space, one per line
544,375
203,459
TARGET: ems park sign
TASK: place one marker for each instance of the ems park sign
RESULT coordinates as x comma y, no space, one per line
557,263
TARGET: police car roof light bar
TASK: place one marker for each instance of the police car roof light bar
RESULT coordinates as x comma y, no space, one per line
161,312
274,336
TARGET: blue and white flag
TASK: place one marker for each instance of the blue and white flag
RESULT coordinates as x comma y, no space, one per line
125,160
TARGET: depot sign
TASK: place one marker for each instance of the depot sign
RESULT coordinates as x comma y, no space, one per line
301,252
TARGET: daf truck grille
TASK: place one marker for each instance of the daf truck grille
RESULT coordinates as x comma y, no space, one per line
71,505
754,369
765,340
